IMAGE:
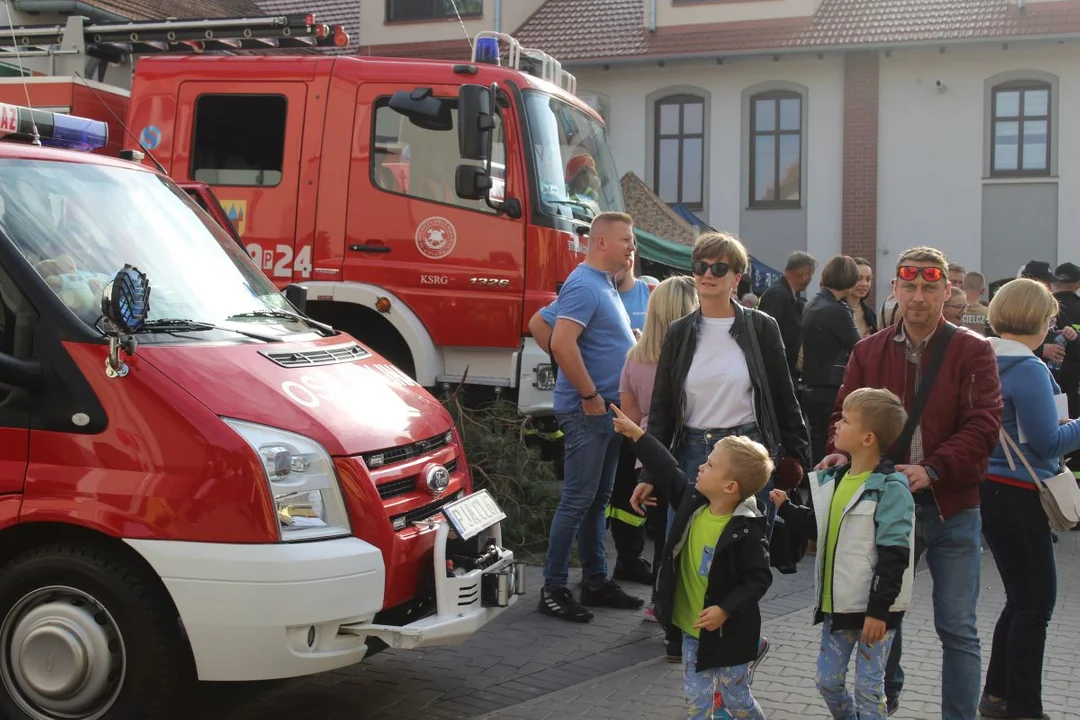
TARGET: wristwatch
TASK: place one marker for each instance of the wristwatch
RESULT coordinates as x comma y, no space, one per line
931,474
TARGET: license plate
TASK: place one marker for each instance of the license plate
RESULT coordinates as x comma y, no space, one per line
473,513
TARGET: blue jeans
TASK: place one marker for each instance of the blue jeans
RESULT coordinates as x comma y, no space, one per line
697,444
832,665
952,552
591,456
722,693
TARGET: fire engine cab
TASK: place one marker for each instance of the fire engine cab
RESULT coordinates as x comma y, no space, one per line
196,480
429,207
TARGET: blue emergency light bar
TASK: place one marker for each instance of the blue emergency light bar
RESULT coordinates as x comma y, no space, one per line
53,129
487,50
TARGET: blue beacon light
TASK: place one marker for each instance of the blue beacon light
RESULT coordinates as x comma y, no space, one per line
487,50
57,129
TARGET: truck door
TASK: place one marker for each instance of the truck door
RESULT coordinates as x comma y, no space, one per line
14,411
244,141
457,263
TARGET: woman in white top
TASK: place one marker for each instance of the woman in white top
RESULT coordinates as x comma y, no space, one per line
722,371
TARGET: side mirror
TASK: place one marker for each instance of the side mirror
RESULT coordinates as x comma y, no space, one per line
472,182
20,373
125,301
423,109
476,121
297,296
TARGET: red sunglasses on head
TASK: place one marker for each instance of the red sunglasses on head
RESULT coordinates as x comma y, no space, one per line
910,273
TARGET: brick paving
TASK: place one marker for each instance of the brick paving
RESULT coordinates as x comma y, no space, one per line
784,683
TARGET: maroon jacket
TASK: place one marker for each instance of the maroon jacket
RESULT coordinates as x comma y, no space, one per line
962,414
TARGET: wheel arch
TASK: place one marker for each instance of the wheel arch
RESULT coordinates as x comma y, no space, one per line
426,359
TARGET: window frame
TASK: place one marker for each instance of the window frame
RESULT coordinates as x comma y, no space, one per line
434,17
680,99
195,137
1021,86
383,101
775,133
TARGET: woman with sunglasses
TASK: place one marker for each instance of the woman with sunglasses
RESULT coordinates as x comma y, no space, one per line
722,371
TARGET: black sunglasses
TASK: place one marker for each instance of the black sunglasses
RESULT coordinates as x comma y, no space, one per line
719,269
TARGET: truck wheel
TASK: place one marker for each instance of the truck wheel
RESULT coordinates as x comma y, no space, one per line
83,636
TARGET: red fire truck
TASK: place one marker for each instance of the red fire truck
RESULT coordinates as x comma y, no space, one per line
195,480
427,206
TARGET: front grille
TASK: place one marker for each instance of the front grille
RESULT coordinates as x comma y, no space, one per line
406,485
389,456
406,519
349,352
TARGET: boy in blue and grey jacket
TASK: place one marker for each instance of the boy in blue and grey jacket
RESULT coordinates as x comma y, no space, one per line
865,530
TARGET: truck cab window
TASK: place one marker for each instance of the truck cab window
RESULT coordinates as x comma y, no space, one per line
239,140
421,163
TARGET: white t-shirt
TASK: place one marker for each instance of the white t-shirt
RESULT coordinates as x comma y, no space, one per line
719,393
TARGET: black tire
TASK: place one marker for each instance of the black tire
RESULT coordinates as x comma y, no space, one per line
156,659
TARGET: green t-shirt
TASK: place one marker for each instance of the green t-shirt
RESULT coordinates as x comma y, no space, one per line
694,563
846,488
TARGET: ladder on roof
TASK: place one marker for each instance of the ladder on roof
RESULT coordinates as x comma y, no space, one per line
111,41
527,60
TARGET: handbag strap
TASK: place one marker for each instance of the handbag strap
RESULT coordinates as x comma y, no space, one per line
922,394
1009,446
766,393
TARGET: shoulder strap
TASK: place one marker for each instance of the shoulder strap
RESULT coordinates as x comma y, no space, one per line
768,409
922,393
1010,447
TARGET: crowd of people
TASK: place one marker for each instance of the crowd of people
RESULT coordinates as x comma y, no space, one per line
742,437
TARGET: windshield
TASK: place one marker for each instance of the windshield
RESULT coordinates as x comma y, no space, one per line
575,172
78,224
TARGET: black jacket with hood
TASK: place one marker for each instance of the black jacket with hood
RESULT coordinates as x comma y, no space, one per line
739,575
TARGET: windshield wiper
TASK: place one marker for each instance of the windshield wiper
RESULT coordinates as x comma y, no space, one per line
284,314
176,325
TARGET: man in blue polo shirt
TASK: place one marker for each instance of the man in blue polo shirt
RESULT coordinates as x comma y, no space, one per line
627,527
591,338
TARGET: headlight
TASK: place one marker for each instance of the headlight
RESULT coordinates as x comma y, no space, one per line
304,486
545,377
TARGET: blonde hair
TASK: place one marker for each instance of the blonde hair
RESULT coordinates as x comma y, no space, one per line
880,412
722,246
1022,307
671,300
750,463
924,254
607,218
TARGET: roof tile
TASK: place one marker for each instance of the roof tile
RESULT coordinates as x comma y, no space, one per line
611,29
161,9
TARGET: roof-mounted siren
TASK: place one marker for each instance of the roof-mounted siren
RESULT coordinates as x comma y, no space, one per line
487,48
22,124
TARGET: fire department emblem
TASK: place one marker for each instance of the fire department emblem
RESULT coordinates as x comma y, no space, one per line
436,238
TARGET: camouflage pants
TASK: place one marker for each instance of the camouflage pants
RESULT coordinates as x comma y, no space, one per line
718,694
832,666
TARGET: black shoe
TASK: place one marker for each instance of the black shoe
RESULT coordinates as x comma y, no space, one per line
991,708
635,570
610,595
560,603
674,651
892,704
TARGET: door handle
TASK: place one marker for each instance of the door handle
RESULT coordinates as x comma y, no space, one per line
369,248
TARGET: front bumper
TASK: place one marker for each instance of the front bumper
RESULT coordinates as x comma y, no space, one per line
260,612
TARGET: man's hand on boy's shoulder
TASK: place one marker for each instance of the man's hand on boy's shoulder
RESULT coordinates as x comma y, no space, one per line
642,498
711,618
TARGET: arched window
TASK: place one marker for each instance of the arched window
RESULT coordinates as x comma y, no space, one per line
776,135
1020,139
679,150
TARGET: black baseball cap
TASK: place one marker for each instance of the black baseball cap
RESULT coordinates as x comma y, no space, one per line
1037,270
1067,273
